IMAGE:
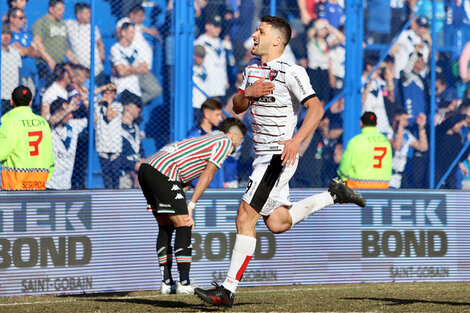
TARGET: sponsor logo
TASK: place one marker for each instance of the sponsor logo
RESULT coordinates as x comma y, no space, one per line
419,227
56,284
164,205
175,187
299,83
179,196
265,99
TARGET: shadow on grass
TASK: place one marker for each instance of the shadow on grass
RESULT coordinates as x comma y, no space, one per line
393,301
94,295
159,303
170,304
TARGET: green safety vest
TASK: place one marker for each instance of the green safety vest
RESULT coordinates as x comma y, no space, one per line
25,150
367,160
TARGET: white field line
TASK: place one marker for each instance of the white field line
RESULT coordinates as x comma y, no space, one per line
159,295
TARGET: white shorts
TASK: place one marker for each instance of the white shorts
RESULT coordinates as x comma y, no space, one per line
268,187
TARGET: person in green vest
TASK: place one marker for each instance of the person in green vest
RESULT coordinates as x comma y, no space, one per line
26,156
367,160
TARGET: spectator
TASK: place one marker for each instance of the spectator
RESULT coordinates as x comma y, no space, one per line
449,142
108,138
337,52
57,90
26,157
215,59
79,34
464,61
309,10
149,84
441,87
447,105
11,67
386,74
211,116
407,42
372,96
132,149
22,41
79,76
64,141
50,38
413,85
333,13
15,4
367,160
127,62
402,142
425,8
200,81
319,61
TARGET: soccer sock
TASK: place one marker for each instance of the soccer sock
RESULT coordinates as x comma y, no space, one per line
183,251
304,208
165,252
241,256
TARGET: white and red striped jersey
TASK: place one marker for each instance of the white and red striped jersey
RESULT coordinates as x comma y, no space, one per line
274,116
186,159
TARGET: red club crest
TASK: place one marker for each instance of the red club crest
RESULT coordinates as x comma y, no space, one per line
272,75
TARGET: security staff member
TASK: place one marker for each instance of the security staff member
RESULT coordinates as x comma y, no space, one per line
367,160
25,145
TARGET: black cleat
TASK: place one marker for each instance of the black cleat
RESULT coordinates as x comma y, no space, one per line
218,296
343,194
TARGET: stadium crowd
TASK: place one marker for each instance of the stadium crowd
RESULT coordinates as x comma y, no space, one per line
51,55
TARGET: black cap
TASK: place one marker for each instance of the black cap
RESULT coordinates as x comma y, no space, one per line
21,96
215,20
422,21
369,119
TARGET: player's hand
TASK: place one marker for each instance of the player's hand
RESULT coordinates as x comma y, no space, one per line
259,88
189,222
291,149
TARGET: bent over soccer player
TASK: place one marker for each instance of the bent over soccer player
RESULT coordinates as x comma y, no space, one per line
273,89
162,178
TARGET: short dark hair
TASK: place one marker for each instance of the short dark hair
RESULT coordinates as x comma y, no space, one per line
136,8
399,111
369,119
280,24
211,104
79,67
126,97
230,122
21,96
13,12
57,105
10,3
126,25
53,3
80,6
